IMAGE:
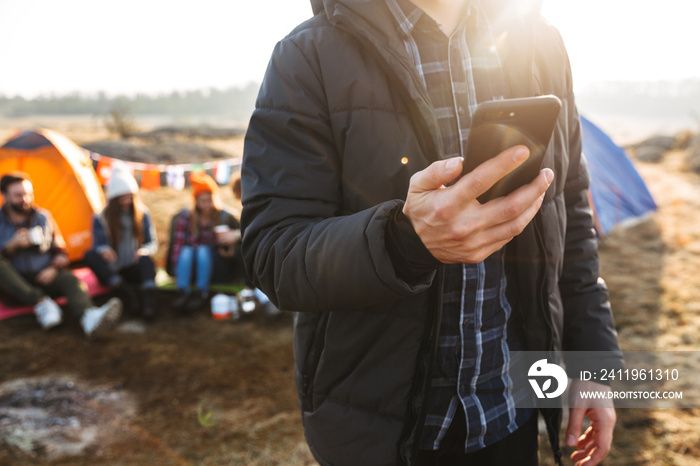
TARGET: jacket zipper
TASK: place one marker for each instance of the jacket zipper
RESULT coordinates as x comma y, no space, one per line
549,420
311,362
544,304
429,339
422,373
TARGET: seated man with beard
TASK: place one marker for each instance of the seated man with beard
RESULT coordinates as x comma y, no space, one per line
33,262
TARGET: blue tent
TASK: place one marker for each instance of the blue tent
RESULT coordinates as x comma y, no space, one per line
617,190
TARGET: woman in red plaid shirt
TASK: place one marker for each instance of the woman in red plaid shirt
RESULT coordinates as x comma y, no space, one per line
195,245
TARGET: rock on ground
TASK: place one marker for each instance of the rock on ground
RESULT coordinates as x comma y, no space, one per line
56,418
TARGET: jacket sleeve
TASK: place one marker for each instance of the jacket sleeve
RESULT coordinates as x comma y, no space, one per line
55,237
228,218
588,321
299,245
150,240
99,234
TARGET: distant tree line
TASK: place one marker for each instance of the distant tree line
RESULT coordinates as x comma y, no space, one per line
646,99
234,102
658,99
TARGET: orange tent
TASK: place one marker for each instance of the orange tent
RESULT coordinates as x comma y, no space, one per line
65,182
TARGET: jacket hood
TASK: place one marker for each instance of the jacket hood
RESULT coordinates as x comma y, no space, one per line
513,23
525,8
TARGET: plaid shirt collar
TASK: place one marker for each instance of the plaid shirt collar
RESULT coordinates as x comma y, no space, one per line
408,15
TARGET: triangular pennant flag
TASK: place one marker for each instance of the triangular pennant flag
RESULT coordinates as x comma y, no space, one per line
175,177
150,179
104,170
124,166
222,172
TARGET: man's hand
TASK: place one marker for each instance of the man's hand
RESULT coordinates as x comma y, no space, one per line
594,444
228,237
60,261
226,251
109,255
20,240
47,276
453,225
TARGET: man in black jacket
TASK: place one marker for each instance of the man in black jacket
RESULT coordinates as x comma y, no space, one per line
410,294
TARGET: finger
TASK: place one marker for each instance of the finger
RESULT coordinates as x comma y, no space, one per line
506,208
603,438
583,451
479,254
594,456
574,425
506,231
436,175
484,242
579,456
586,439
599,453
514,226
504,218
483,177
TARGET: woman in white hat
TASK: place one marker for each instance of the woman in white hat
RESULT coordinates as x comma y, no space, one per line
124,245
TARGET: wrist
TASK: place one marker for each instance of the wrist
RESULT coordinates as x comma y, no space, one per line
10,247
411,258
59,261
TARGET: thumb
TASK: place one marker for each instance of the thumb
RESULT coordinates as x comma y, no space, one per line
574,426
436,175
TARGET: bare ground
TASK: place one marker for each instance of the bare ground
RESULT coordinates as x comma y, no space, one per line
198,391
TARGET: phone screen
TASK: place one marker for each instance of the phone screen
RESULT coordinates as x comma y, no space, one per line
500,124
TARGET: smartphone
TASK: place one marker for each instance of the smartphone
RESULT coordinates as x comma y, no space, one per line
500,124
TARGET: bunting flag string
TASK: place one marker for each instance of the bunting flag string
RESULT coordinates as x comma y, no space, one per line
150,179
104,170
150,174
222,173
175,177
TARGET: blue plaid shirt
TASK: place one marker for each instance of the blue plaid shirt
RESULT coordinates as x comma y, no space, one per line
472,361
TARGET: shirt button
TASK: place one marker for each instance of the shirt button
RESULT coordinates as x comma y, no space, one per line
462,390
461,110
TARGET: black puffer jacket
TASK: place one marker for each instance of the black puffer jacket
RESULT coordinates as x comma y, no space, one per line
323,177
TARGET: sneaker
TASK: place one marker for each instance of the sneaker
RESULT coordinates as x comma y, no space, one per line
48,313
130,300
149,310
271,311
179,303
260,296
197,301
97,320
246,301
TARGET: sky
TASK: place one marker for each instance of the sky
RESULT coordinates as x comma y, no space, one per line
157,46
